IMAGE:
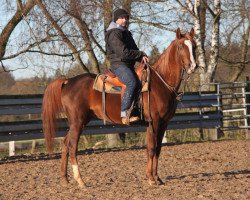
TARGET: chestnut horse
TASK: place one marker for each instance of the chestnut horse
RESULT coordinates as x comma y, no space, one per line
76,97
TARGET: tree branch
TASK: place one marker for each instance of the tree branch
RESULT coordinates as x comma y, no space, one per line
233,62
185,8
157,25
9,70
209,9
9,28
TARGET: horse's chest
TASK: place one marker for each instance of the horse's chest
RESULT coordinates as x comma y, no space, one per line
168,109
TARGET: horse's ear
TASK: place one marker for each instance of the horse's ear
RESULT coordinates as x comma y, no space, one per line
178,33
192,33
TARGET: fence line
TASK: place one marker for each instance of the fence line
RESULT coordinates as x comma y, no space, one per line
203,110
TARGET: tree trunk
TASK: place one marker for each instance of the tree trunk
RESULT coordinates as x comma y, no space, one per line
107,17
202,16
113,140
76,12
207,71
214,54
88,48
126,4
107,12
199,41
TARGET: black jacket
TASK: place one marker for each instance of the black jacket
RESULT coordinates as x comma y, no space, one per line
121,47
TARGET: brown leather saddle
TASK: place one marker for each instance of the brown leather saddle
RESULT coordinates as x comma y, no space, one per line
110,83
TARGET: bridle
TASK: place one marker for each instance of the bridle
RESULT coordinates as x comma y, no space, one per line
173,89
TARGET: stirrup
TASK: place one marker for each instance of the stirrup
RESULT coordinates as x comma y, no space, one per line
127,120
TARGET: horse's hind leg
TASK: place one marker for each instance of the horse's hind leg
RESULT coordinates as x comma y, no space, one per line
64,160
73,144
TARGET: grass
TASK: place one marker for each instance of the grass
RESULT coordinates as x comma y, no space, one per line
130,140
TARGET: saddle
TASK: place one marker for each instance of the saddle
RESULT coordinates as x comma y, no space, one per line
110,83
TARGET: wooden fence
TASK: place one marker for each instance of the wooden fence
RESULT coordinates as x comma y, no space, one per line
194,111
226,109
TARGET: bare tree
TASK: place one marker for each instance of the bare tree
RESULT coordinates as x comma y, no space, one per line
74,30
107,18
197,11
76,54
237,12
22,9
75,11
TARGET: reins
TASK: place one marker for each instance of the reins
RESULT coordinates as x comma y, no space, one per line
171,88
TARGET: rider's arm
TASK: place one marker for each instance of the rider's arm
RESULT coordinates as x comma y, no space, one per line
118,45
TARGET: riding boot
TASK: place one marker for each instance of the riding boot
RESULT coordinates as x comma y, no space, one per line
128,120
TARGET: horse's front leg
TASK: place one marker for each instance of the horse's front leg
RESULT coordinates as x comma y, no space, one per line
151,151
154,139
157,179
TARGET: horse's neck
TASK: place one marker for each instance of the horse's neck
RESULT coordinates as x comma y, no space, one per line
169,67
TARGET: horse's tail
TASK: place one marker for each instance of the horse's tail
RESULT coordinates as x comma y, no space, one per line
51,108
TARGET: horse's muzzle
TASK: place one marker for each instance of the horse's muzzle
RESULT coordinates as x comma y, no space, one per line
190,68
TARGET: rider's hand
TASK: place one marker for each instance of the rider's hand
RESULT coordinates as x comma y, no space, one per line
145,59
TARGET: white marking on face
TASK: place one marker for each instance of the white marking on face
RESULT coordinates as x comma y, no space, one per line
190,47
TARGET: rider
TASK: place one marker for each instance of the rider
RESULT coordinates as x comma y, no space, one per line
123,53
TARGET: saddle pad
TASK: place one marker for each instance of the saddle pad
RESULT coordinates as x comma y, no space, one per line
145,87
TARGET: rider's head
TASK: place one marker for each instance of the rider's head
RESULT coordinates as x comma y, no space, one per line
121,17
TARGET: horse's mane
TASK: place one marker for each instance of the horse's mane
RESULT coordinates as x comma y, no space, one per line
162,63
169,55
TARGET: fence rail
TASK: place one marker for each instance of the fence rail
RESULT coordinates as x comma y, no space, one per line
20,115
29,106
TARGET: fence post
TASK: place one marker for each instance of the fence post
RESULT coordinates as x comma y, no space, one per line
11,148
248,106
213,133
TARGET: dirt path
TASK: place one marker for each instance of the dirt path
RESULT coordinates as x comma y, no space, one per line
210,170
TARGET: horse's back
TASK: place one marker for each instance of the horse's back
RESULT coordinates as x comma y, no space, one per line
77,83
80,79
77,89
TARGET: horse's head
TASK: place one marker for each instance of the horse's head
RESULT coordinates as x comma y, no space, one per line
186,50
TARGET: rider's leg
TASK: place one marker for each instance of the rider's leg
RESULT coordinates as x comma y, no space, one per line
128,77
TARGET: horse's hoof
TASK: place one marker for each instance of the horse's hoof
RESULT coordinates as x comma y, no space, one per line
155,182
64,182
159,182
151,183
81,184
